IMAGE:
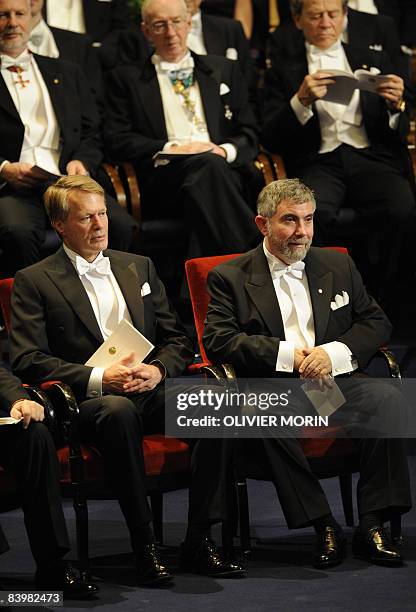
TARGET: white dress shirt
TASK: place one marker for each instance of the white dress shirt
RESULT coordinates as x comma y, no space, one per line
66,14
41,141
42,41
108,304
295,304
195,39
180,126
366,6
339,124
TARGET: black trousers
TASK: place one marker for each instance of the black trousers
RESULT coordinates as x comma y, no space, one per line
383,486
23,223
117,425
372,182
31,456
208,194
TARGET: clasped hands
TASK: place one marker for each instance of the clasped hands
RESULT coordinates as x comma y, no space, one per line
124,377
314,363
315,87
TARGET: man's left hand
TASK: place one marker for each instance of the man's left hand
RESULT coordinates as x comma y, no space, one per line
392,89
76,167
316,364
145,378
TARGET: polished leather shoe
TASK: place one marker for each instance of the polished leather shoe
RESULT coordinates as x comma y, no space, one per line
151,570
206,559
330,547
374,545
62,577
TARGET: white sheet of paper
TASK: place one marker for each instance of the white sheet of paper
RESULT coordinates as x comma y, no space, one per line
124,340
341,91
326,400
9,421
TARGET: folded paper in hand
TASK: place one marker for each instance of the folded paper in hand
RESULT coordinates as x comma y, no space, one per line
325,399
341,91
124,340
9,421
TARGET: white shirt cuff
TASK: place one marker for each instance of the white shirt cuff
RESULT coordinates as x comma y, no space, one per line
171,143
394,120
95,383
230,150
341,358
303,113
4,163
285,356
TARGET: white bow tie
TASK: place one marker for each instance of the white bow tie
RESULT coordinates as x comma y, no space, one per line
9,62
332,51
280,269
186,64
99,266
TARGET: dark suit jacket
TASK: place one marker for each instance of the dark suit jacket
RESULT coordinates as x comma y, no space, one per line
54,329
103,19
11,390
78,48
75,111
135,127
364,31
299,144
244,324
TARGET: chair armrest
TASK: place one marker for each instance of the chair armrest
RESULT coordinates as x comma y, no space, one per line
271,166
391,362
116,182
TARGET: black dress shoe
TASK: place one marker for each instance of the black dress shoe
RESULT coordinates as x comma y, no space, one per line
150,568
206,559
330,547
62,577
374,545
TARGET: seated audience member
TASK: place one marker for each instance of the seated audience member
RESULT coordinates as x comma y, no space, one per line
362,30
47,118
71,46
353,153
270,316
63,308
193,106
103,20
28,451
402,11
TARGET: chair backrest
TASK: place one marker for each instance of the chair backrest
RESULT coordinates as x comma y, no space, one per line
6,286
196,273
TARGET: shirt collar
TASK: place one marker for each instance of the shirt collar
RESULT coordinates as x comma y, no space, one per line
25,57
163,66
73,256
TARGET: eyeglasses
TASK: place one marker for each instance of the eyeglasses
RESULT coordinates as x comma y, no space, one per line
159,27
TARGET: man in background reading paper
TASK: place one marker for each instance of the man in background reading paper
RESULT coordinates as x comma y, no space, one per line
351,155
63,308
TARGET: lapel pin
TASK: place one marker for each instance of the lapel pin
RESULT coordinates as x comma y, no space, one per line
320,291
56,81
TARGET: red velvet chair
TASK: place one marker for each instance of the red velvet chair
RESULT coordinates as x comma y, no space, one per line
167,460
328,457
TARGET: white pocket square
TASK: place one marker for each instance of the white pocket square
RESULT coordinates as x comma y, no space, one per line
145,290
340,300
224,89
231,53
376,47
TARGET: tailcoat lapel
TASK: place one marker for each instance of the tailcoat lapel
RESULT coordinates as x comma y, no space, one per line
321,289
62,273
130,285
261,291
149,93
209,86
